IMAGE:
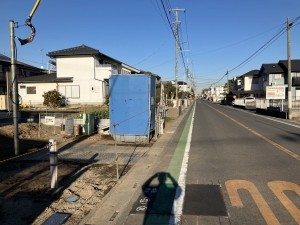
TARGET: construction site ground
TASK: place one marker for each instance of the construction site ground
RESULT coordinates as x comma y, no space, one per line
86,172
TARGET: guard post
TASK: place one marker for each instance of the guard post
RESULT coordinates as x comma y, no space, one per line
53,163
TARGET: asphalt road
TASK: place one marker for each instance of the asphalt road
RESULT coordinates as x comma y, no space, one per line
243,169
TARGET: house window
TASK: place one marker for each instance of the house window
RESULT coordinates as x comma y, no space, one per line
255,80
31,90
277,76
265,78
2,90
69,91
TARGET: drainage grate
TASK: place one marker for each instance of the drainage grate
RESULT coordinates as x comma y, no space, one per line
206,200
57,219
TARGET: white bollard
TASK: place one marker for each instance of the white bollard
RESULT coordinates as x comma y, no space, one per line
53,163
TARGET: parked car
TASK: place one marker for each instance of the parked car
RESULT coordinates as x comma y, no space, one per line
249,99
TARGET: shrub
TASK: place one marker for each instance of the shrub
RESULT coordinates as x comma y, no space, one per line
102,113
53,99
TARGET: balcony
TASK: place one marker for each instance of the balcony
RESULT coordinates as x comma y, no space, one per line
104,71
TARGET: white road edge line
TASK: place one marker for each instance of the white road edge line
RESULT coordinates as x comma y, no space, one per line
278,120
180,192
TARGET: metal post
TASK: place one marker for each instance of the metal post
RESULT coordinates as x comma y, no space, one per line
39,134
289,70
54,125
117,165
15,87
53,163
227,82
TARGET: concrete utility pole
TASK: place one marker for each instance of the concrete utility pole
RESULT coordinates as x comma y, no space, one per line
227,82
176,51
288,24
14,87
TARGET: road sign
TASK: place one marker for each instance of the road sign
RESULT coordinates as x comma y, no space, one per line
275,92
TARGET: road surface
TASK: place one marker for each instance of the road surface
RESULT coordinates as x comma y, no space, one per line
243,168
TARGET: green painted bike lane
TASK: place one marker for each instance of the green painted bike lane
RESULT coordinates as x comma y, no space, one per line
159,211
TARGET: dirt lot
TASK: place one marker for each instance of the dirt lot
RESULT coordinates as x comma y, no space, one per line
25,193
31,138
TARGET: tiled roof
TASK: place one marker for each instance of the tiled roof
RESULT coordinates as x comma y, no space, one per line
47,78
272,68
4,58
252,72
79,50
295,65
84,50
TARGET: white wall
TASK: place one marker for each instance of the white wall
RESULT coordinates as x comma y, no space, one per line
248,84
34,99
83,71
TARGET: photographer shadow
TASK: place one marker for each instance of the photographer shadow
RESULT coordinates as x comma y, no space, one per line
160,191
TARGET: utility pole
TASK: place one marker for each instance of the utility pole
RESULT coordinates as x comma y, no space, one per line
14,87
289,70
176,50
227,82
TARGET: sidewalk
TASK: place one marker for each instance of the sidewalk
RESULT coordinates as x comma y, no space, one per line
118,203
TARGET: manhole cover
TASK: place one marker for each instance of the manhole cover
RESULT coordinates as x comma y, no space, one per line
206,200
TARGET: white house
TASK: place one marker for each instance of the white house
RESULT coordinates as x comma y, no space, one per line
82,75
217,93
249,84
183,86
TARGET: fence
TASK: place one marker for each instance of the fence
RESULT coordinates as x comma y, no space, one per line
272,104
276,104
56,122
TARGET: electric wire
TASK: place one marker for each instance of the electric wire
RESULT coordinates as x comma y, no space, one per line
260,50
164,8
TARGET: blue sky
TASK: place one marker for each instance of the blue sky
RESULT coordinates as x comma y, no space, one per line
216,35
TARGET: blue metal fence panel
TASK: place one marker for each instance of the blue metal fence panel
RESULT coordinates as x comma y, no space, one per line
132,104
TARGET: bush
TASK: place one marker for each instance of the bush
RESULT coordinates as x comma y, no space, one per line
102,113
53,99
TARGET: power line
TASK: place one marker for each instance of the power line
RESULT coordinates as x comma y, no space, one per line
170,24
265,46
238,42
260,50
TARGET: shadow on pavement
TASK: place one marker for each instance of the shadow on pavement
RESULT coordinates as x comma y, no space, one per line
160,191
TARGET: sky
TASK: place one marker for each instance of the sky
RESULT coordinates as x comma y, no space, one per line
215,35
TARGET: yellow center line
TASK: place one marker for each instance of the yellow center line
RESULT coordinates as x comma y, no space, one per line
278,146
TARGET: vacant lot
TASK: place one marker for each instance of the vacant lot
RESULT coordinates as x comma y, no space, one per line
25,193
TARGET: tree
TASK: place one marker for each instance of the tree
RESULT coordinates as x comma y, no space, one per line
169,89
230,86
53,99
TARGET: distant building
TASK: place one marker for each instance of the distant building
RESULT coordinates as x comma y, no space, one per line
248,84
22,70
